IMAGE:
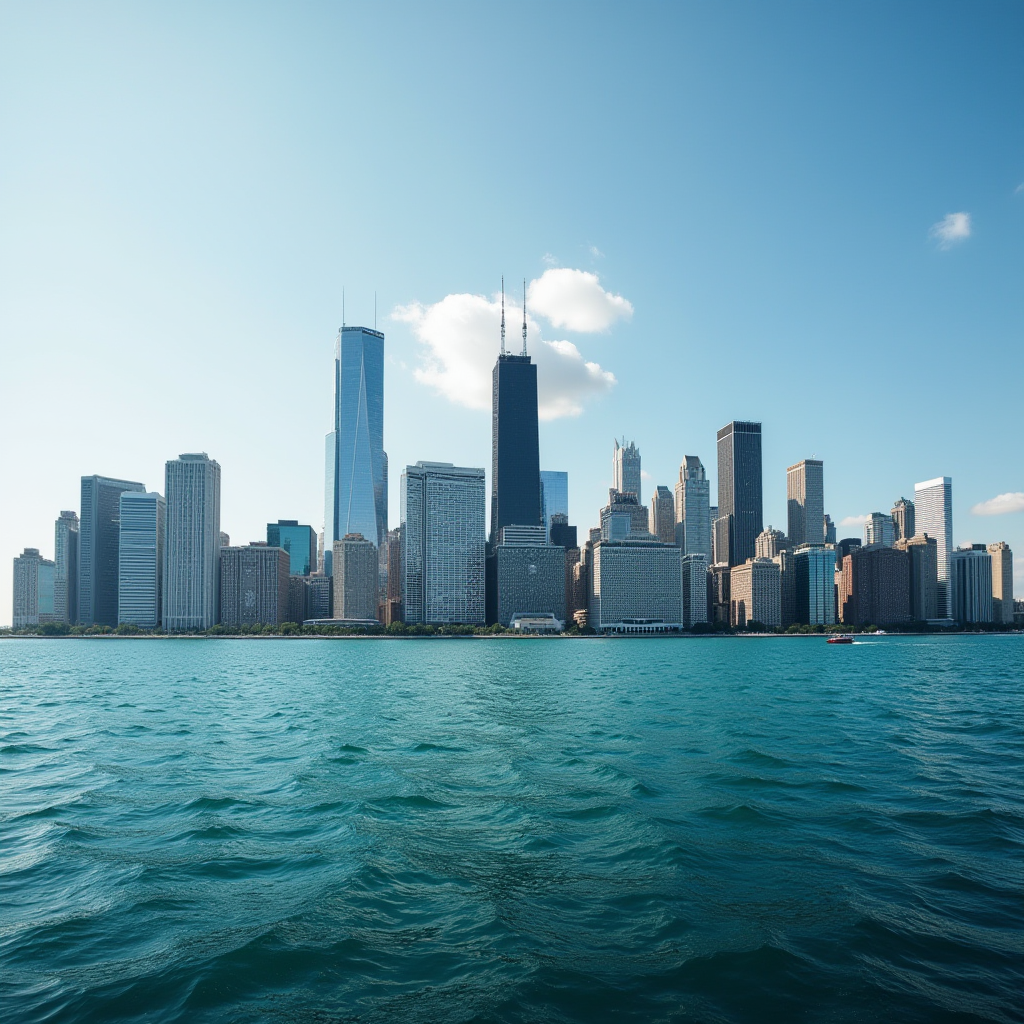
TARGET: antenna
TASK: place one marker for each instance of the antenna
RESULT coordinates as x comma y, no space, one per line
524,316
502,314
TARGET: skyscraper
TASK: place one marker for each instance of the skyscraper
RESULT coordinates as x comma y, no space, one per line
903,519
970,584
33,589
299,541
98,537
663,515
626,469
755,593
693,508
924,598
1002,582
814,570
443,542
879,529
875,587
933,515
192,543
739,489
356,489
253,585
65,573
355,578
140,559
695,588
554,496
531,575
805,491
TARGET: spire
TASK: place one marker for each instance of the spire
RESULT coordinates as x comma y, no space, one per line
502,314
524,316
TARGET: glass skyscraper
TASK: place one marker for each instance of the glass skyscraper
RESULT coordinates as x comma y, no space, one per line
356,493
140,559
693,508
299,541
554,496
98,539
933,515
805,494
65,558
739,489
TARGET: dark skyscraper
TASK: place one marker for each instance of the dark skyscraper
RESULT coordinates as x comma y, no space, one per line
515,452
739,487
98,547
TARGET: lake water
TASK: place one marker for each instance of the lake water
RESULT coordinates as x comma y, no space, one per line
722,829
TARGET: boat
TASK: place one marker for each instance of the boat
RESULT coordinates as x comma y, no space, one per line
841,638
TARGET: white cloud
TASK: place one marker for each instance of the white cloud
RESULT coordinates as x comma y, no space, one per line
460,335
596,253
953,228
854,520
550,260
1000,505
575,300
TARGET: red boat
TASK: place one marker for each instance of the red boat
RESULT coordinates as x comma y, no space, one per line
842,638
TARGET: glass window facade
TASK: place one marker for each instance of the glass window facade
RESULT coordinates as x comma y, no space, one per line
299,541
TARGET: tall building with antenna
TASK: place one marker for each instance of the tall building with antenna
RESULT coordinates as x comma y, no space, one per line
626,468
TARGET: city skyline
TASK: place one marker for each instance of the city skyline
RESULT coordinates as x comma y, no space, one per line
788,234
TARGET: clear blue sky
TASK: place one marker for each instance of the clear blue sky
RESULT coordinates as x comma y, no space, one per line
185,189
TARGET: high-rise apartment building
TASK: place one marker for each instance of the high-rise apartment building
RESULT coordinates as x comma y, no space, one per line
755,593
805,493
515,444
903,519
1002,582
393,598
554,496
693,509
356,566
33,589
356,491
443,542
626,469
695,589
65,573
814,570
970,583
933,515
875,587
663,515
140,559
635,586
531,575
879,529
254,582
191,543
739,491
770,542
98,535
924,576
299,541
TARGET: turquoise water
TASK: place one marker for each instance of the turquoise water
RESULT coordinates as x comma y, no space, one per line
719,829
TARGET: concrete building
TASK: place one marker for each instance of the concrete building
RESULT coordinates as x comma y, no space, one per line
879,529
191,543
739,491
319,597
33,589
924,578
695,589
98,535
721,605
970,580
755,593
554,497
356,479
805,493
355,578
662,517
635,586
254,585
1002,582
770,542
626,469
393,600
627,505
693,509
443,540
814,571
903,519
65,573
530,575
140,559
787,586
875,587
561,533
933,515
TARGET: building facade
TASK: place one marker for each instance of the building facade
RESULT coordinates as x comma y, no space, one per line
98,536
65,560
299,541
191,543
805,504
814,571
254,585
140,559
755,593
33,589
662,516
626,469
695,589
739,491
933,515
356,485
924,577
903,519
530,576
554,497
355,578
875,587
879,529
625,508
1002,582
635,586
770,542
693,508
970,581
443,543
